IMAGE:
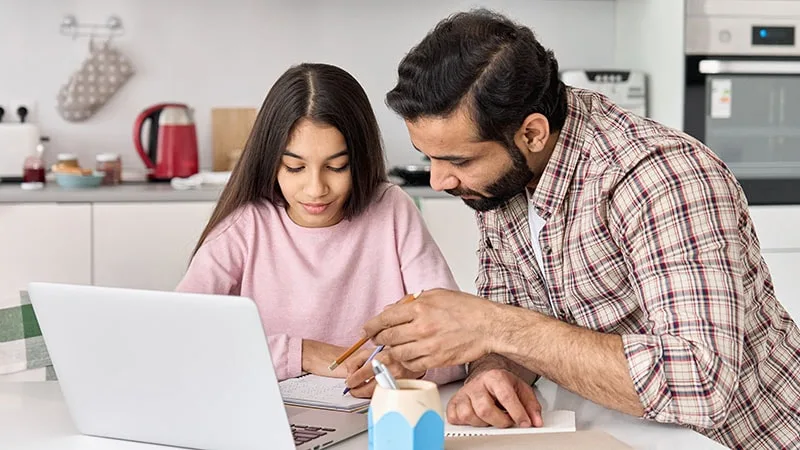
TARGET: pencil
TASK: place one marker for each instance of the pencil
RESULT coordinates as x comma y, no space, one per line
408,298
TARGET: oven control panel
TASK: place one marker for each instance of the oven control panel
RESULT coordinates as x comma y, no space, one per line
742,36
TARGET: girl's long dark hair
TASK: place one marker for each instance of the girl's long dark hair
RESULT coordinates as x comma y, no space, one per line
324,94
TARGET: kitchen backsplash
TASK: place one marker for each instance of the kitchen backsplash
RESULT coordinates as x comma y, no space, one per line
228,53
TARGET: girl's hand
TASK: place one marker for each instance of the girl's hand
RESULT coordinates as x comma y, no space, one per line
361,379
317,357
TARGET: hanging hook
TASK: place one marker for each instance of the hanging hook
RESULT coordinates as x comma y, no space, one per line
71,27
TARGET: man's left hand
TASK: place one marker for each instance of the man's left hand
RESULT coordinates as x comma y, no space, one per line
440,328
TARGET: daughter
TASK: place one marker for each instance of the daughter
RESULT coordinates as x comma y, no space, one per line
309,228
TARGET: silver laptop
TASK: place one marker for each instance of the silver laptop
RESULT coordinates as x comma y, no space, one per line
178,369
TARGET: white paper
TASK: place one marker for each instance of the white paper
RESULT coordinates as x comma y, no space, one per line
554,422
721,98
314,390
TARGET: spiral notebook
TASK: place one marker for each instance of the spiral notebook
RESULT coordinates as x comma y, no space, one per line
578,440
554,422
314,391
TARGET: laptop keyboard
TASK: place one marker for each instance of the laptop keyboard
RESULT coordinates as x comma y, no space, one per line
305,433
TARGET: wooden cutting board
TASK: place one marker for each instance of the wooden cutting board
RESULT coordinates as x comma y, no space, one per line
230,128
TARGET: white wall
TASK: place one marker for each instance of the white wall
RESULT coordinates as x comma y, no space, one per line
650,37
228,52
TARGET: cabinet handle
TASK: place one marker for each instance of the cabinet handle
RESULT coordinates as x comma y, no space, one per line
771,107
717,66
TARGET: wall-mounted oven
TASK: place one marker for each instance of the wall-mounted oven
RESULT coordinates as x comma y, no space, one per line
742,91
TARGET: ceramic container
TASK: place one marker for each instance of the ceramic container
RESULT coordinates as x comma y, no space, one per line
408,418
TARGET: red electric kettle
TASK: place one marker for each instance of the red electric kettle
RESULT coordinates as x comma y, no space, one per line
172,141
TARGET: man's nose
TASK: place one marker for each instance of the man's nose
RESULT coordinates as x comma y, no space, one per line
442,180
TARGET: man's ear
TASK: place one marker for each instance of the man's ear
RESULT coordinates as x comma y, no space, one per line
532,135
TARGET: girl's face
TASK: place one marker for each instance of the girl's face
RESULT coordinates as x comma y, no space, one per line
314,175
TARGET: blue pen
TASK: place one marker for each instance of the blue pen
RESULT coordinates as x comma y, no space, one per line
371,357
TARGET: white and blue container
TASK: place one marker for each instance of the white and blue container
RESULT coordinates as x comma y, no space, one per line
408,418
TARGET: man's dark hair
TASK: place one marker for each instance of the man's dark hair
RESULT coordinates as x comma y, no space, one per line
486,62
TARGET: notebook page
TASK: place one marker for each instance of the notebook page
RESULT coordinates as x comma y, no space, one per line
316,390
554,422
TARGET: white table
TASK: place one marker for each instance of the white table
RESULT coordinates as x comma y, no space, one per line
33,415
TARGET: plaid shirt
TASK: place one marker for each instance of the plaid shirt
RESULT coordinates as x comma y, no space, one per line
648,236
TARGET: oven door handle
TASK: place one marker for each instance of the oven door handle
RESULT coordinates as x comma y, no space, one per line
718,66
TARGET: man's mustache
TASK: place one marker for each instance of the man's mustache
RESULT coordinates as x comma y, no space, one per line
464,192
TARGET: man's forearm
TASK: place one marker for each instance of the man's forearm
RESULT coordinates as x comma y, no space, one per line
587,362
495,361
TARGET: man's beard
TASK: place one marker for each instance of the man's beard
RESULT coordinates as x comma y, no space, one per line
505,188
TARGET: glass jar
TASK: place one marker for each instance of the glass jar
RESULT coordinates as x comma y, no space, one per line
111,165
33,167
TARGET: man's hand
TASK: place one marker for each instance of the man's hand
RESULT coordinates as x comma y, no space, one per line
479,402
440,328
361,379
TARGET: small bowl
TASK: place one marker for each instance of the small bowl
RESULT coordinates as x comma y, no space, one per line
71,180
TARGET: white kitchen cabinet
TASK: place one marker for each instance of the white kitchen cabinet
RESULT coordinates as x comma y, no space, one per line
43,242
452,225
145,245
779,235
783,268
777,227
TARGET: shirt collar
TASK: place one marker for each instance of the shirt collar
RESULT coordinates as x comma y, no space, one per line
560,169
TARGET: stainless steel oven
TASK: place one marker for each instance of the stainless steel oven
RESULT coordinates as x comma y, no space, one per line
742,91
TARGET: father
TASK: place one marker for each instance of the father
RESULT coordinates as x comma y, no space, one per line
618,254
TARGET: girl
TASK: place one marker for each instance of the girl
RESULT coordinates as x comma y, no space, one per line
309,228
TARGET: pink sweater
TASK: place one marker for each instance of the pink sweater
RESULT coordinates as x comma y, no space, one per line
321,283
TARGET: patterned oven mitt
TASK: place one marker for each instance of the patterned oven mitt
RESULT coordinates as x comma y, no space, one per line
101,75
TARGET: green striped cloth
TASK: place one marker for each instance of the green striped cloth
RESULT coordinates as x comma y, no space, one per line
21,345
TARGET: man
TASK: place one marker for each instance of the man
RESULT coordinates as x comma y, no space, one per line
618,254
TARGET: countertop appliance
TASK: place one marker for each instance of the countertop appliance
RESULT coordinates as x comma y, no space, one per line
171,141
742,91
18,140
626,88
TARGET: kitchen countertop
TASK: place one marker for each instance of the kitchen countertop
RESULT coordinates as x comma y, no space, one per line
139,192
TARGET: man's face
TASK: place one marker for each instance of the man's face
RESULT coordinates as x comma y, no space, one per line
484,174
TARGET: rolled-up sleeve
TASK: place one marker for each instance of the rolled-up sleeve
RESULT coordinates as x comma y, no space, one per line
678,226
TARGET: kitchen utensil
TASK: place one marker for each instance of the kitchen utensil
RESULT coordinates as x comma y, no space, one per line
171,141
230,128
93,84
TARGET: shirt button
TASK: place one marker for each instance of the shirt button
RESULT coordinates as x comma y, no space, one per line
547,249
